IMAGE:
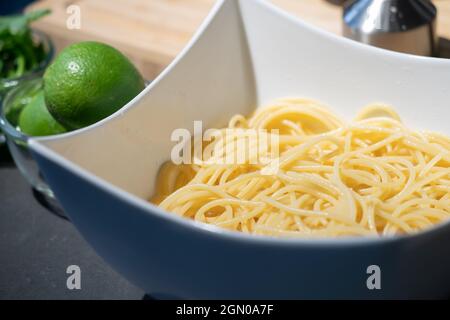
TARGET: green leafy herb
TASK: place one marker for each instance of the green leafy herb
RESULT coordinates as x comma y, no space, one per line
18,52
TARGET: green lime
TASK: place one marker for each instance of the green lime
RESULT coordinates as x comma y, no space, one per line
35,120
89,81
19,97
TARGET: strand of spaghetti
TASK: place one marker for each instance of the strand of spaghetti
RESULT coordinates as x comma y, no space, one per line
240,219
308,213
414,186
200,215
192,187
430,165
379,144
305,190
351,206
297,178
296,152
431,149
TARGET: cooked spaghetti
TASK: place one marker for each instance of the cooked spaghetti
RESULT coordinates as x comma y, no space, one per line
328,178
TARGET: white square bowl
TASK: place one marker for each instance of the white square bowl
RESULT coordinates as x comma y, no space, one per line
245,54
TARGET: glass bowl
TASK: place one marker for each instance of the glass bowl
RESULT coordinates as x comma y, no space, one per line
38,37
13,103
9,83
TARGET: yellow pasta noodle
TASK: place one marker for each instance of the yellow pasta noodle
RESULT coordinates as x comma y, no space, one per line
329,178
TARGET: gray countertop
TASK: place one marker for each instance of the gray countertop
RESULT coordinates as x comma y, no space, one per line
36,247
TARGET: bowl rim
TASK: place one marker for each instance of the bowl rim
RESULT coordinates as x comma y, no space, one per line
146,207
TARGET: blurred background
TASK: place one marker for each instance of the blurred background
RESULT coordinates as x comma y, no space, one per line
152,32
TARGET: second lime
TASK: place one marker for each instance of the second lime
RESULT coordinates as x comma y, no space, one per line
89,81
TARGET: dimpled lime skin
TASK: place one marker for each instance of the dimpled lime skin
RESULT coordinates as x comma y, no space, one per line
36,120
89,81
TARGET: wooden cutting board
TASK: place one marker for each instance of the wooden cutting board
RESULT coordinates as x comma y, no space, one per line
152,32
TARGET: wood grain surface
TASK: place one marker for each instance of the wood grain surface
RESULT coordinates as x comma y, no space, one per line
152,32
